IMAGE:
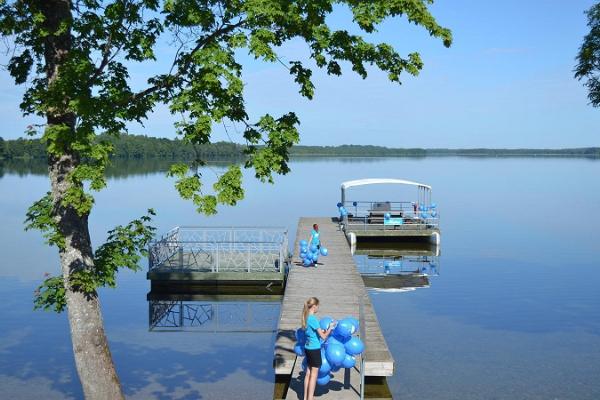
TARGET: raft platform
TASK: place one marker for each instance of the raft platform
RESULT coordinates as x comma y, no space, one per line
190,256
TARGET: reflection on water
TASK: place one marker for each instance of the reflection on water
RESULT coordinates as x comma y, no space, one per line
236,314
397,265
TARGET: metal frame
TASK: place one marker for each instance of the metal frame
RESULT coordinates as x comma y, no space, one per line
366,215
220,249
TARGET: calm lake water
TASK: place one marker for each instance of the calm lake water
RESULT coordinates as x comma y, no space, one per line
514,312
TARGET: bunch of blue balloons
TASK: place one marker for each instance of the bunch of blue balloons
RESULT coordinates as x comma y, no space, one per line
342,210
428,211
338,351
310,255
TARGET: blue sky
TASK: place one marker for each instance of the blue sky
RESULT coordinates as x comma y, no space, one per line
507,81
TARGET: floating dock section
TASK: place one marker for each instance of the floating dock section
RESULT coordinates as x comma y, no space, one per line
340,289
218,256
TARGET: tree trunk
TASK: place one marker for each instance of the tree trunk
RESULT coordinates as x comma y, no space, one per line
90,346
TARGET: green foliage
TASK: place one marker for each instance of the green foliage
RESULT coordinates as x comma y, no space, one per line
588,58
40,216
50,295
122,249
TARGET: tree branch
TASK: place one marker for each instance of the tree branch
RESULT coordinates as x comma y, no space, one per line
167,80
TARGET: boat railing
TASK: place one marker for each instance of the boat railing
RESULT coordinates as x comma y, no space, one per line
220,249
391,215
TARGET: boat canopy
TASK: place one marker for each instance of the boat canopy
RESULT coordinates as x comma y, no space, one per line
376,181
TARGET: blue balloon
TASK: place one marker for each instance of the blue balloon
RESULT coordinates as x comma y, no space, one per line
336,368
333,340
344,328
335,354
303,243
424,215
313,248
341,339
354,346
300,335
433,205
349,323
324,322
324,251
421,208
387,216
307,262
325,365
315,257
323,380
303,249
339,205
299,350
349,361
433,214
354,323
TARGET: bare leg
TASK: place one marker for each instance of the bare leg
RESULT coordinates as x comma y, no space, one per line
312,383
306,380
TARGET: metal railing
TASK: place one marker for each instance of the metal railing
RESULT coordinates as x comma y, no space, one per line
363,336
389,215
220,249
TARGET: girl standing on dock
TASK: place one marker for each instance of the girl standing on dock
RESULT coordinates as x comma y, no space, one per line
315,237
312,348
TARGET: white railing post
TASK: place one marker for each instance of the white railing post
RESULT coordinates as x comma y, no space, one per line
217,258
248,258
363,337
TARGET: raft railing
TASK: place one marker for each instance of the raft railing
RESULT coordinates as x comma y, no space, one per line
220,249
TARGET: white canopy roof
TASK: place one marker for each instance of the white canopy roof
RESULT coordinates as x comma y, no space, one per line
374,181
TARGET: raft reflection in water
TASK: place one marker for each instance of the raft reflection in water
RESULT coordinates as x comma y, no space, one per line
204,312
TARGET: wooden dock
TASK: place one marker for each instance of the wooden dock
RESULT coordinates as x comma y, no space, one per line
339,287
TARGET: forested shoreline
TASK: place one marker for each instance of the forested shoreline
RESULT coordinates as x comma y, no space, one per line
145,147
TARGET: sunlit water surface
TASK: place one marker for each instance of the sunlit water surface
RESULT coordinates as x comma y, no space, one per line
513,311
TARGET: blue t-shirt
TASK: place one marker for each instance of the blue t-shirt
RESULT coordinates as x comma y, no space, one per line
312,337
315,237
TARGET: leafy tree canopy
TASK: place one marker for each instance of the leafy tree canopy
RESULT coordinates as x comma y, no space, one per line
588,58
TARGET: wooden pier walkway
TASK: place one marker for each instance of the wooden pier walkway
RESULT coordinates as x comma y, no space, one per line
339,287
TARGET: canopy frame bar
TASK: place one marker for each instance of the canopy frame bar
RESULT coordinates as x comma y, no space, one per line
424,191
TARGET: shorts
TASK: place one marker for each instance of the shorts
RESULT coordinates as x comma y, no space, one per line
313,358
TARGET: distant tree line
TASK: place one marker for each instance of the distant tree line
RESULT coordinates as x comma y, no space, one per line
144,147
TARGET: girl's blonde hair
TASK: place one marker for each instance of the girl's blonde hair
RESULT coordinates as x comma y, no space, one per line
312,301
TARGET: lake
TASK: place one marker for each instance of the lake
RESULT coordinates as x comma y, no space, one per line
514,312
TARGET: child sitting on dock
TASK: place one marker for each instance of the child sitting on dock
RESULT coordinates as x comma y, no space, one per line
312,347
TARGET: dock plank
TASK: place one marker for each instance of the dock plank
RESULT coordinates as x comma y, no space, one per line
339,287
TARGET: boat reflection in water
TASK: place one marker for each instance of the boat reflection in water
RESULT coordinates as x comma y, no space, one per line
214,310
397,266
